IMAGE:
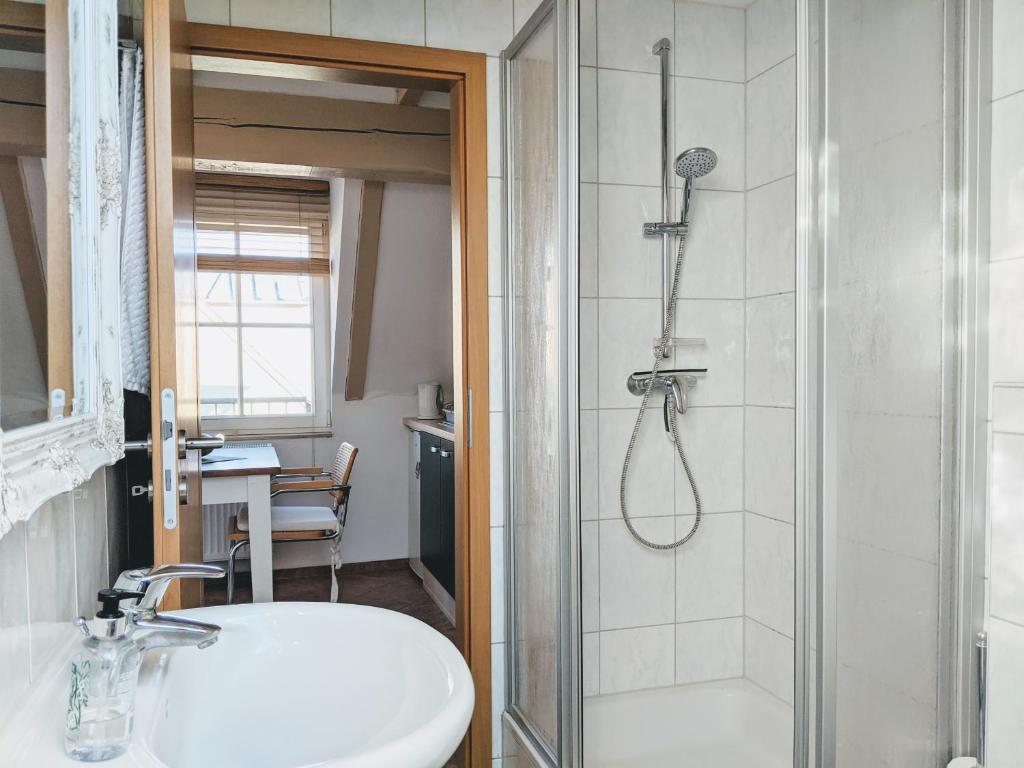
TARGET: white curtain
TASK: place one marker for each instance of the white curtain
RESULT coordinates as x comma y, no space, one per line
134,255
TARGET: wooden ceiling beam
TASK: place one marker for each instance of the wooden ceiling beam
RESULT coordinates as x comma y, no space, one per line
363,285
320,137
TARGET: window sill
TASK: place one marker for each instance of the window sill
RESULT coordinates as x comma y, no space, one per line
271,434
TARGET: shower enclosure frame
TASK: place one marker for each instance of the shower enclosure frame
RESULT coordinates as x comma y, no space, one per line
568,752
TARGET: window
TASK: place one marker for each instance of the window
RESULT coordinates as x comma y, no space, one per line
262,306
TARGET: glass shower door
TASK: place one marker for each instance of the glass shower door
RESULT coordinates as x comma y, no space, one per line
540,380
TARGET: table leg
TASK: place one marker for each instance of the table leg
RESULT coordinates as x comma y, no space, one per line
261,558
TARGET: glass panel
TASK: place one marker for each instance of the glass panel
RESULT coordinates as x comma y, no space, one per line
277,368
884,533
218,371
277,299
217,297
537,370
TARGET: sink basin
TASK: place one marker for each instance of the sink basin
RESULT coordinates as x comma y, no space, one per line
287,685
304,684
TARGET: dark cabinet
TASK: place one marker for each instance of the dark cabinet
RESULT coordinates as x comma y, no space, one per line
437,509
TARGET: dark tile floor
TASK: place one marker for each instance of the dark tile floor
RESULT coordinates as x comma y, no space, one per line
397,589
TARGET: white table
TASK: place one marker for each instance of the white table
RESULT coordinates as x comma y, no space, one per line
246,480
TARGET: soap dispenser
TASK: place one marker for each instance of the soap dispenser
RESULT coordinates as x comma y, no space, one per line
104,673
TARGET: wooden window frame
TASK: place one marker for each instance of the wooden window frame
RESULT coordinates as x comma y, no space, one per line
464,74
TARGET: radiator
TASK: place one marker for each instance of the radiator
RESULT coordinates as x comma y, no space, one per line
217,520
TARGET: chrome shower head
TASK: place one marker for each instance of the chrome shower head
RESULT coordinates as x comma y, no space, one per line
696,161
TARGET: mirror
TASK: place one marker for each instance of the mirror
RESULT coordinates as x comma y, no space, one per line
33,332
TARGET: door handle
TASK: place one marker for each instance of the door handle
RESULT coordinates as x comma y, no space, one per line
446,454
433,449
204,443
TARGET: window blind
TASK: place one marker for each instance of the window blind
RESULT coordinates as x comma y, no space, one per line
257,226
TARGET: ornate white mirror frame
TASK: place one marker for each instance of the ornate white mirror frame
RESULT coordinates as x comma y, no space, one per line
40,461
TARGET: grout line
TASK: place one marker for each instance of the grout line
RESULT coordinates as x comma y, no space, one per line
1006,96
776,65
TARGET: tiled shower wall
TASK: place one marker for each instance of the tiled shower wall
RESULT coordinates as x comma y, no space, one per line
655,618
1005,621
770,371
721,606
51,567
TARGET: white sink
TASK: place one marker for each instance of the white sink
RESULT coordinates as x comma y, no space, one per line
296,684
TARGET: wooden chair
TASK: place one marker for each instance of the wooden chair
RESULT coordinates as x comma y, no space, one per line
302,523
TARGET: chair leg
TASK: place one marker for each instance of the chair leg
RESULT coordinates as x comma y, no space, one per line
232,556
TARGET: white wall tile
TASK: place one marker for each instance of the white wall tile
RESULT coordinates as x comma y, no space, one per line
721,324
208,11
589,353
1008,409
769,572
769,460
493,117
771,238
495,224
629,264
588,240
637,584
1007,54
14,621
591,664
770,354
389,21
1006,320
89,502
52,590
497,696
309,16
713,438
713,266
627,31
588,32
590,575
497,460
496,350
891,484
887,618
709,650
589,468
1006,557
497,585
1005,694
588,124
469,25
709,113
522,11
649,491
768,660
709,569
771,34
626,332
771,125
710,42
628,128
632,659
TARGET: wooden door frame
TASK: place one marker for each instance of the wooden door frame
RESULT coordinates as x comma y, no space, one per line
466,74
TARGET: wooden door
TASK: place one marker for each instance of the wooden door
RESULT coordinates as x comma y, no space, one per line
177,518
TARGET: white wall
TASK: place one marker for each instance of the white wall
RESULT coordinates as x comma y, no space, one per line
1005,582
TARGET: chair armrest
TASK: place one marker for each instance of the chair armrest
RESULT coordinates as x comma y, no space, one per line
307,486
300,472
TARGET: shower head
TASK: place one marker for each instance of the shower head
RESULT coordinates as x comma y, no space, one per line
696,161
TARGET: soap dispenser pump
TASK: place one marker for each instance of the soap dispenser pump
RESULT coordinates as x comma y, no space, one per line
104,673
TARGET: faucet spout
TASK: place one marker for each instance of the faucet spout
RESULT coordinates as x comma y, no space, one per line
171,631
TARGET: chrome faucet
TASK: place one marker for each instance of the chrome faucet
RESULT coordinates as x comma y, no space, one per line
164,631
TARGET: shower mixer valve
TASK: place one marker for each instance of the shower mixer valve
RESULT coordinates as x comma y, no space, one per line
675,384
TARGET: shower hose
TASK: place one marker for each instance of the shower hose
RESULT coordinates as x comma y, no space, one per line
659,355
